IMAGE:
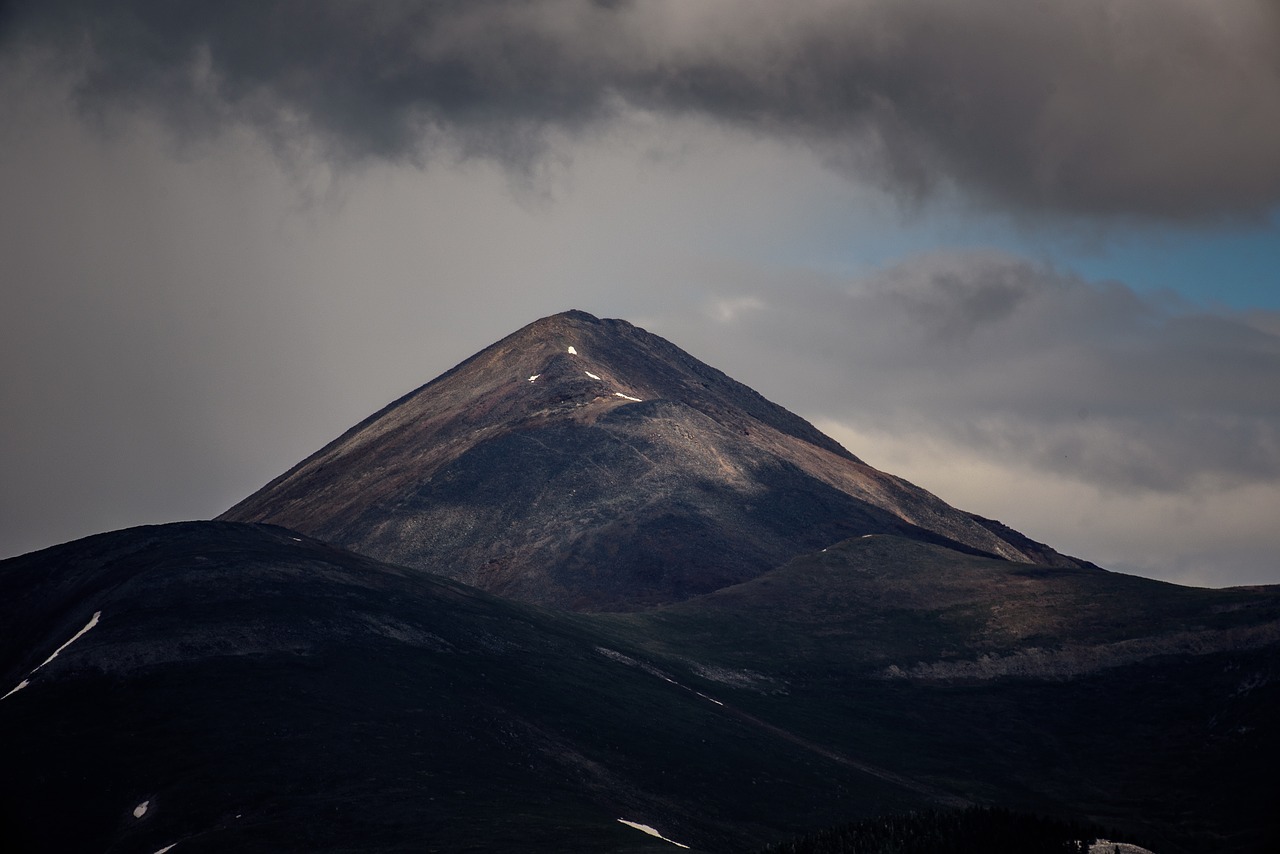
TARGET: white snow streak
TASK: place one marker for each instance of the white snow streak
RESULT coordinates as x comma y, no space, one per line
92,622
534,377
24,683
166,848
141,809
572,351
705,697
593,376
627,396
649,830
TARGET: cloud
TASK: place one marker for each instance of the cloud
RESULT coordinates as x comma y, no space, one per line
178,328
729,309
1163,109
1137,430
1019,362
1224,538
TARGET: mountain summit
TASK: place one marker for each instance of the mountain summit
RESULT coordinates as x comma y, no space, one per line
589,464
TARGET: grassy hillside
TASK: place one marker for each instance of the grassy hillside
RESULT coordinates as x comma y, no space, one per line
259,691
1066,691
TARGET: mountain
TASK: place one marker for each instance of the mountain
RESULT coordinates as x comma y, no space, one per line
230,687
588,464
754,635
1130,702
217,686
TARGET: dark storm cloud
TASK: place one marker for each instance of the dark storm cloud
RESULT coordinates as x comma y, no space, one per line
1019,362
1152,108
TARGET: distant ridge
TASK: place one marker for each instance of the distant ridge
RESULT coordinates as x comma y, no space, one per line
589,464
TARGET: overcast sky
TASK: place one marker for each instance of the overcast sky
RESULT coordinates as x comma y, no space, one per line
1023,254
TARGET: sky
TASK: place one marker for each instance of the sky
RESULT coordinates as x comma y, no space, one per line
1023,254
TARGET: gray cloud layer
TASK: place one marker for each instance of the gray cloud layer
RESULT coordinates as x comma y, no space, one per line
1015,360
1167,109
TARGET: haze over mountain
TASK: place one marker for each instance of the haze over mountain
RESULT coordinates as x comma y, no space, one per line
589,464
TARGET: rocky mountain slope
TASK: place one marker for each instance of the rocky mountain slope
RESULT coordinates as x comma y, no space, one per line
588,464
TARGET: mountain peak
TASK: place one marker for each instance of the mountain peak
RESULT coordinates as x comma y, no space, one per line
608,362
587,463
573,314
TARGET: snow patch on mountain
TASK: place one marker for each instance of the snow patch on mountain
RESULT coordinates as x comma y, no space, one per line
24,683
649,830
93,621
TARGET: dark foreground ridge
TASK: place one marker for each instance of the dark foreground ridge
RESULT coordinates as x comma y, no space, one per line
229,687
241,688
589,464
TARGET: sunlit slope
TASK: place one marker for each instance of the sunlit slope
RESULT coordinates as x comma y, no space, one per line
589,464
889,606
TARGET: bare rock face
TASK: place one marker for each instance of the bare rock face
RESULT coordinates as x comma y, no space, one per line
588,464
